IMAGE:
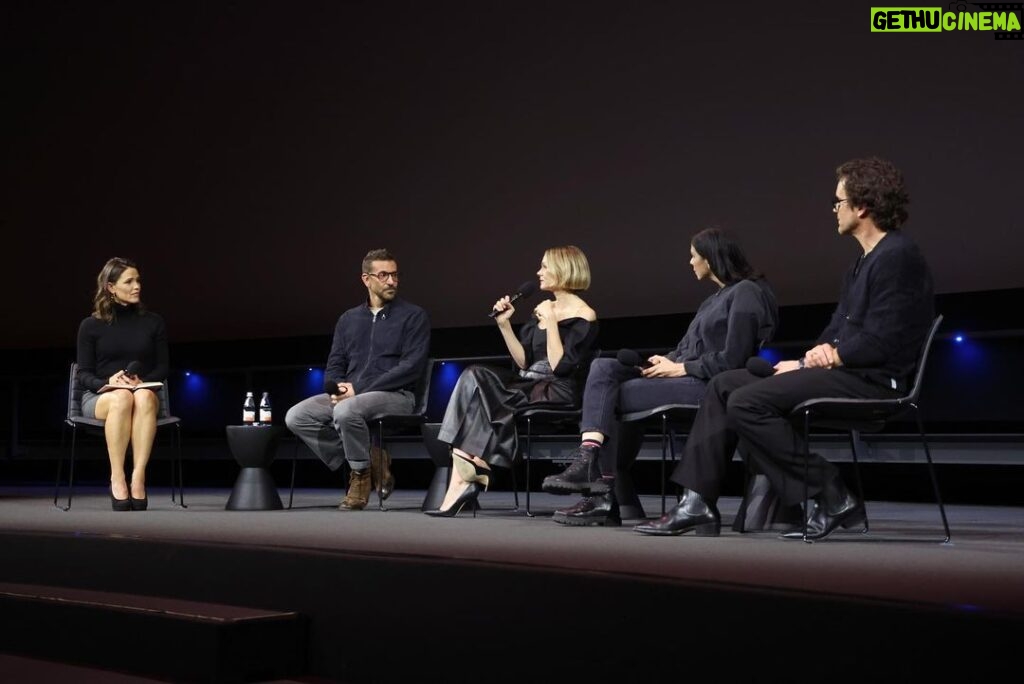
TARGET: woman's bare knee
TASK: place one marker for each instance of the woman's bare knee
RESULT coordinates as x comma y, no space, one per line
146,401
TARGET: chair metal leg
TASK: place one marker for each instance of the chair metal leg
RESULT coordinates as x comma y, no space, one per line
181,470
931,471
529,449
71,471
664,449
295,459
380,478
672,457
856,444
807,468
515,487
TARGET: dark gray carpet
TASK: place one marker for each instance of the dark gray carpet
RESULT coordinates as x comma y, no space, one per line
983,567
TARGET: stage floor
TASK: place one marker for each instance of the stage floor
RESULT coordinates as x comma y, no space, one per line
982,569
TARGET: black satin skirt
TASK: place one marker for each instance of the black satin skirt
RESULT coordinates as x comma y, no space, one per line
480,418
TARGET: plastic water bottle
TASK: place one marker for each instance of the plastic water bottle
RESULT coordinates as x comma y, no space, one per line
265,413
249,409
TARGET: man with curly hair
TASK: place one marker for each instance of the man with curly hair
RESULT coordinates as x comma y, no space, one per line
868,350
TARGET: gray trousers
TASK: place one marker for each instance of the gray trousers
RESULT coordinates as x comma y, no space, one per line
339,433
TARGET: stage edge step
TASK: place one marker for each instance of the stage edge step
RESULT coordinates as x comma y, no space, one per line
182,640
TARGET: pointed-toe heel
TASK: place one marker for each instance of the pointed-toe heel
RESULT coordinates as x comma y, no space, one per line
467,497
138,504
120,504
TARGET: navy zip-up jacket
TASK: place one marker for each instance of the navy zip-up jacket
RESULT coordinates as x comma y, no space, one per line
385,351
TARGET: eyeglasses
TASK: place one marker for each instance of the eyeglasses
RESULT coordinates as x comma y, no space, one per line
384,275
836,202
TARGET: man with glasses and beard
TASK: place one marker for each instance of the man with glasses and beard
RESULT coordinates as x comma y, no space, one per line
377,354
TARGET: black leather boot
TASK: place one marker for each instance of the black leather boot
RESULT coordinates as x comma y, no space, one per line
602,509
582,476
692,513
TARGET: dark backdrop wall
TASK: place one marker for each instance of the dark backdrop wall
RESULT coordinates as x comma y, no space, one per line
247,154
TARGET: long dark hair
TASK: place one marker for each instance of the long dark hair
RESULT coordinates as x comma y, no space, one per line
724,256
103,301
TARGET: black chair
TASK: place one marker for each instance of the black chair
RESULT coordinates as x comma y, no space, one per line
75,421
671,418
554,419
389,422
558,418
869,415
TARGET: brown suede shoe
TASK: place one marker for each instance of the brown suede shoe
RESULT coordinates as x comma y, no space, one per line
358,491
380,465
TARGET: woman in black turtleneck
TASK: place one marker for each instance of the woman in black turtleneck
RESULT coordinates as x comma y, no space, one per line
120,331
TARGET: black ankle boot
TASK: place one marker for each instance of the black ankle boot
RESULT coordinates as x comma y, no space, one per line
602,509
692,513
834,507
582,476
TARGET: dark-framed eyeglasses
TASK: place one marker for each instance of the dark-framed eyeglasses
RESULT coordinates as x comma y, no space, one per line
384,275
836,201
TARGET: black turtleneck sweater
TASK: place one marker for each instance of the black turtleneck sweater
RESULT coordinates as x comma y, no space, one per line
106,348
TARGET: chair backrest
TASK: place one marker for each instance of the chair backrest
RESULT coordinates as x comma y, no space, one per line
75,392
74,395
422,389
915,389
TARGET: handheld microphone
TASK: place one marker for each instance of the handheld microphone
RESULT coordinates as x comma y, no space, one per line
632,358
527,289
760,367
134,368
331,388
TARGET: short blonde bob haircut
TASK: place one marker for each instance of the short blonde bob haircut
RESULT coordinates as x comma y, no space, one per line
569,266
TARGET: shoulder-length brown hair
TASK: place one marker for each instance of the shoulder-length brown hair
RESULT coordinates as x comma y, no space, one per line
103,301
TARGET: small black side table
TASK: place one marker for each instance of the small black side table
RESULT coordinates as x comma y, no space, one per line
253,447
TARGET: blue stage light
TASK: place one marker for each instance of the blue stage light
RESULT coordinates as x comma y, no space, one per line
959,339
772,356
314,380
447,377
194,384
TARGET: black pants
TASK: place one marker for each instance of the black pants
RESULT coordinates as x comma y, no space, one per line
743,411
614,388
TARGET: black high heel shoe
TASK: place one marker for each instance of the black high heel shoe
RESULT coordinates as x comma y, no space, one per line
138,504
120,504
468,496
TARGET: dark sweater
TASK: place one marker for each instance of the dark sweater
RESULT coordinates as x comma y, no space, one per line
106,348
380,352
885,310
728,329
